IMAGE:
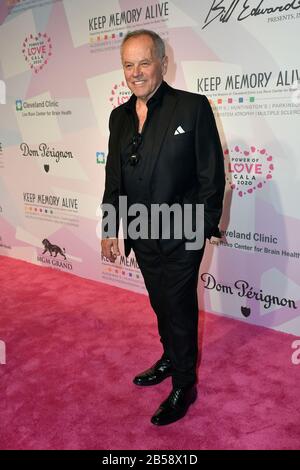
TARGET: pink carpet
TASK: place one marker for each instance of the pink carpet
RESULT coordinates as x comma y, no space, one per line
73,347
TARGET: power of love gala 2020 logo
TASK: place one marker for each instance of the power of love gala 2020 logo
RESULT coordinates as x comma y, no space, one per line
120,94
248,170
37,50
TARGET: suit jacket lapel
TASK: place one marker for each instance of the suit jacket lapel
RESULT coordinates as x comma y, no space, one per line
163,123
125,133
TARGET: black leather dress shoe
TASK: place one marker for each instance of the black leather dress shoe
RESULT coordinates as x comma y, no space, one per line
175,406
156,374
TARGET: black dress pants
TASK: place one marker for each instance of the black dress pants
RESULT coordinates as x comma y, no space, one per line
171,281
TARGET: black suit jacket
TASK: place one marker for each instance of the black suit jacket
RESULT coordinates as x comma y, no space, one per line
186,167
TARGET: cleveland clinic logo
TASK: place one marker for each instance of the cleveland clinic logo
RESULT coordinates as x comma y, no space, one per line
19,105
37,51
119,94
29,105
247,169
100,158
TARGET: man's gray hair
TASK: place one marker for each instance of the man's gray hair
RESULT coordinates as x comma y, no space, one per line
159,45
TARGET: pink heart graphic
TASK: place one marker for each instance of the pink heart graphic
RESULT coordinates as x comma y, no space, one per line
252,149
246,153
271,166
269,176
37,50
238,167
270,158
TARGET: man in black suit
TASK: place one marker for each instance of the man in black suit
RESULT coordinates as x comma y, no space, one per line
164,148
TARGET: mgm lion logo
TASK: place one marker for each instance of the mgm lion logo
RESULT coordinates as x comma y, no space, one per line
53,249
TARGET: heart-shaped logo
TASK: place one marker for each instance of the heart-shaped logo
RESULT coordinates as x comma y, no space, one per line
37,50
238,167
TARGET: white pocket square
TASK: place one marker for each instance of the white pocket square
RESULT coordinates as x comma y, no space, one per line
179,130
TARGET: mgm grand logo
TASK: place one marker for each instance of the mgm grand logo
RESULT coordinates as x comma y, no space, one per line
54,255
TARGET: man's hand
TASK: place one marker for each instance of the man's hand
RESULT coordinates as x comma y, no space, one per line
215,240
110,248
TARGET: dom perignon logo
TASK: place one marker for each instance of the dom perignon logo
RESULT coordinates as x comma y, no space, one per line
50,155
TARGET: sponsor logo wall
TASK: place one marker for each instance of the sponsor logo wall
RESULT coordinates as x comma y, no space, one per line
60,69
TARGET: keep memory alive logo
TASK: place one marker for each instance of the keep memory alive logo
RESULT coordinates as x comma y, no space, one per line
248,169
129,17
108,30
37,51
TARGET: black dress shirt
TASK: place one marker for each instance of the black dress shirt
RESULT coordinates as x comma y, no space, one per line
136,178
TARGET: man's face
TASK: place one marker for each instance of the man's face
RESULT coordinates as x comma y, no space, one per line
143,70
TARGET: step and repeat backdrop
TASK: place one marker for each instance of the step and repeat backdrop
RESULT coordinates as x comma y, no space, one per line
61,77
